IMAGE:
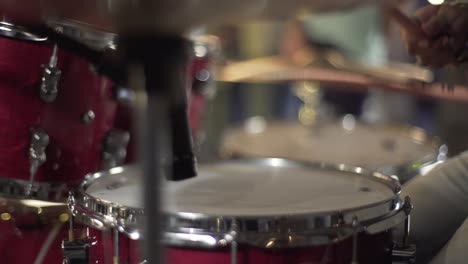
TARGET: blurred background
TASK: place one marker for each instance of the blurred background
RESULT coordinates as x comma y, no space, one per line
363,35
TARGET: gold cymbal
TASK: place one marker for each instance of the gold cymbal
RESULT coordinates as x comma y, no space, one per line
338,73
324,68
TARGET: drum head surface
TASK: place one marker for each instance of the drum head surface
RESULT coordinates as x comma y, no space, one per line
251,189
363,145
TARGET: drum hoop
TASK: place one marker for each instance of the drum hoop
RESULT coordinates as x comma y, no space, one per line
129,220
44,191
85,33
10,30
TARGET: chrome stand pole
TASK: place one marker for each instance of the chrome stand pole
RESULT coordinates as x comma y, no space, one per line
158,65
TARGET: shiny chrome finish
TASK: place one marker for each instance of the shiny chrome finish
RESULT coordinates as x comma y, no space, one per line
116,246
75,251
37,155
13,31
355,225
50,79
234,245
207,231
114,150
407,207
85,33
405,252
88,117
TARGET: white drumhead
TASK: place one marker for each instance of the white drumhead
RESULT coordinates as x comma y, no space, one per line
249,189
366,146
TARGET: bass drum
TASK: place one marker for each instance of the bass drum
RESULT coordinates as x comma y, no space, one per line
393,150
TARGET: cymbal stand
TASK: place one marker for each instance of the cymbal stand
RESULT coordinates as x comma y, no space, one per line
159,65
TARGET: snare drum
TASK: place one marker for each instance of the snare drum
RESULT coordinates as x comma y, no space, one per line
392,150
259,211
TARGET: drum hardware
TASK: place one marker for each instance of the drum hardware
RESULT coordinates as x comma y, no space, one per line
75,251
10,30
50,79
88,117
355,226
95,37
404,252
114,149
116,259
233,236
37,155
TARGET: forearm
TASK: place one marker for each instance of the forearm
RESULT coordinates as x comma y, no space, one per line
440,205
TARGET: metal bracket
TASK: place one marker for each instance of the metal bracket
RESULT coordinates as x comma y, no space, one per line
405,252
76,251
114,150
37,154
50,79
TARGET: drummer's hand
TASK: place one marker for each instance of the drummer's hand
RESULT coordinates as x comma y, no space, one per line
443,31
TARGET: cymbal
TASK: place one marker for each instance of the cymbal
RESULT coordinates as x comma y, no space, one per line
167,15
277,68
344,75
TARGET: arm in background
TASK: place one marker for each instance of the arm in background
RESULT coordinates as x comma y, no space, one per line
440,200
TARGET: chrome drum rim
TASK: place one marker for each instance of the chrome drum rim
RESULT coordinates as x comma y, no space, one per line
209,231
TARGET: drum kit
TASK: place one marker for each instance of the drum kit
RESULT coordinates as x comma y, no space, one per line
68,193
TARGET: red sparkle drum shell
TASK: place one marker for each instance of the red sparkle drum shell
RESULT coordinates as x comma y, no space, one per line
101,248
373,249
74,145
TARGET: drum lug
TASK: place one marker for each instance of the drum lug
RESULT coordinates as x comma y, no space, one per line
88,117
356,226
114,149
407,207
405,252
50,79
233,233
75,251
37,154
